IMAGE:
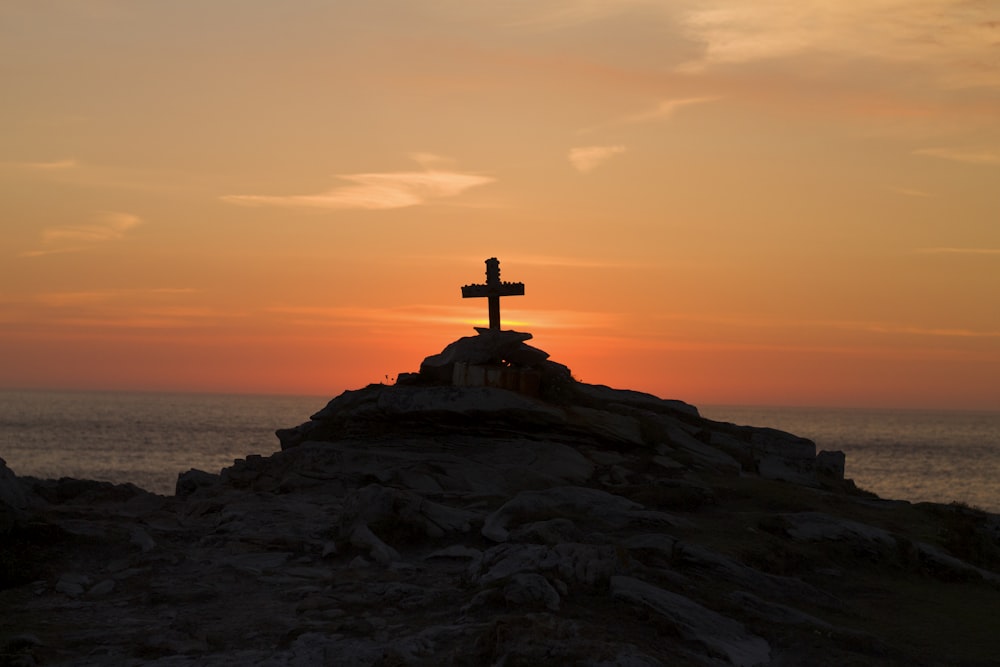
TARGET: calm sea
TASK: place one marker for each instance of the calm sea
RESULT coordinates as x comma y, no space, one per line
916,455
143,438
147,439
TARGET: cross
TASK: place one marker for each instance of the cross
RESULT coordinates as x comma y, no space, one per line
493,290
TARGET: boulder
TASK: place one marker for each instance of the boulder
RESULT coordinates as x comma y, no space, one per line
831,464
723,636
613,426
490,346
783,456
817,526
13,501
703,454
567,501
599,395
466,402
402,511
529,589
589,565
454,463
193,480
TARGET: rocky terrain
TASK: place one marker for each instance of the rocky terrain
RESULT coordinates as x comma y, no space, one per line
491,510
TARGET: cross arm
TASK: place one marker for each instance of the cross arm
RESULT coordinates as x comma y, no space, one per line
503,289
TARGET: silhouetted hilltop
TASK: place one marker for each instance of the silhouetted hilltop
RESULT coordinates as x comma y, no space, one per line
491,510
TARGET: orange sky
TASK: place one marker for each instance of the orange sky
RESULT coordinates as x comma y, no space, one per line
721,201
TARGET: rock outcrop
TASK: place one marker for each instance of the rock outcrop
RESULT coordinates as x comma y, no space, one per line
13,501
441,523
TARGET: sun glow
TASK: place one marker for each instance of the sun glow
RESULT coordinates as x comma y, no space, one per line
731,202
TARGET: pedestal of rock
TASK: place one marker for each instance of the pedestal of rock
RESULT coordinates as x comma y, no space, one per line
493,358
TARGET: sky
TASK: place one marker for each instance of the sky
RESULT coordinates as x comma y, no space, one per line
753,202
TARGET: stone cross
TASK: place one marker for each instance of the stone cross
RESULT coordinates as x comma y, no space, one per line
493,290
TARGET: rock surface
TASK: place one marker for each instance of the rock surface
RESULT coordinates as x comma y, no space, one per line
13,501
427,524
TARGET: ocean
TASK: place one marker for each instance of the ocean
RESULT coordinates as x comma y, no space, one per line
937,456
148,439
143,438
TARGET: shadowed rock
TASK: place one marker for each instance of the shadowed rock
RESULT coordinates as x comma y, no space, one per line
434,523
13,501
722,636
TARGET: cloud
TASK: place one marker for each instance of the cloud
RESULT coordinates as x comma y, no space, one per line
83,313
665,109
933,332
108,226
731,322
120,308
359,316
537,260
952,41
588,158
422,316
430,160
958,251
378,190
741,33
90,297
661,111
71,171
561,14
51,251
971,157
909,192
425,315
51,166
575,262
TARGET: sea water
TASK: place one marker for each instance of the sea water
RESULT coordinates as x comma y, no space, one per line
143,438
917,455
148,439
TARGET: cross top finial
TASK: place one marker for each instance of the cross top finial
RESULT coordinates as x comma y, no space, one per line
493,271
493,290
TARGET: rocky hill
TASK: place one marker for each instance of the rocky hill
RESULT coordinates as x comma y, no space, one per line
491,510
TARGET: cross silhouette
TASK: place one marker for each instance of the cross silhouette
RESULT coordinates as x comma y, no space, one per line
493,290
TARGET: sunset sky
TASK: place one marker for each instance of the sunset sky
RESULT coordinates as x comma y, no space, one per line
785,202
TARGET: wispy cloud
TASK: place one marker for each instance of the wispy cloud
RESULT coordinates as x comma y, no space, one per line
141,318
562,319
740,33
874,327
952,41
575,262
52,251
662,111
354,316
909,192
588,158
358,316
379,190
431,160
80,313
516,260
957,155
929,331
107,226
465,315
71,171
557,15
958,251
90,297
56,165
